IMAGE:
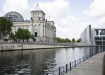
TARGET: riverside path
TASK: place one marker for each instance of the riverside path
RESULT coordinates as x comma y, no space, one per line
92,66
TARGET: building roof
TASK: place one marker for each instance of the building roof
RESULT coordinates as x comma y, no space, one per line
14,16
38,11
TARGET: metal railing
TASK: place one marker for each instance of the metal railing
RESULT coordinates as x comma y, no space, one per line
68,67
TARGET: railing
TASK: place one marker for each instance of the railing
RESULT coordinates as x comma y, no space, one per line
68,67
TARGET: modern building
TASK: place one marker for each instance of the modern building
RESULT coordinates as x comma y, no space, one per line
43,30
93,36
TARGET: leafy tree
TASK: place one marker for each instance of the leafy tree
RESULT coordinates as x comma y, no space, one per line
27,34
73,40
19,34
12,36
67,40
61,40
23,34
79,40
58,40
33,38
5,27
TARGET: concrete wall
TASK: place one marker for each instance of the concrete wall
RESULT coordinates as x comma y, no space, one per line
86,35
104,65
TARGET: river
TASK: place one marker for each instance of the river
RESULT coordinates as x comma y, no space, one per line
36,62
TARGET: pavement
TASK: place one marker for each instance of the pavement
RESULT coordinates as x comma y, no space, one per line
92,66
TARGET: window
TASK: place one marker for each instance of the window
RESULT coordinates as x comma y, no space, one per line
35,34
96,32
98,42
98,38
104,43
102,32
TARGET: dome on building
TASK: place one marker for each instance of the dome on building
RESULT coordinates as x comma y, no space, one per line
14,16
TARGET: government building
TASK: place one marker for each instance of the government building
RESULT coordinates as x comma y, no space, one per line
93,36
42,29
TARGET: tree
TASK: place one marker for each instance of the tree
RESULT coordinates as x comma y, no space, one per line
61,40
12,36
67,40
33,38
79,40
23,34
5,27
73,40
58,40
19,34
27,34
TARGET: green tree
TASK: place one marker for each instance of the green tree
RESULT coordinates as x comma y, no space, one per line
67,40
61,40
79,40
58,40
27,34
19,34
12,36
5,27
73,40
33,38
23,34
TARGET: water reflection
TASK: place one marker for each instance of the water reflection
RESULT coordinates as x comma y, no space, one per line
27,62
36,62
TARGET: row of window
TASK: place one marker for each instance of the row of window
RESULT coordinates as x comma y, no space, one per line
99,38
100,32
100,42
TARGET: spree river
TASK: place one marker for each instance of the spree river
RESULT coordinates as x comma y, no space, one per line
36,62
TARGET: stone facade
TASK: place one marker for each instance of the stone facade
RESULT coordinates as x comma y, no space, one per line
43,30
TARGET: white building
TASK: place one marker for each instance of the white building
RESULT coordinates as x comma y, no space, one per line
43,30
93,36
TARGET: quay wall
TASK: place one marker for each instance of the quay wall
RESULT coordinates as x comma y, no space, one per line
8,47
27,46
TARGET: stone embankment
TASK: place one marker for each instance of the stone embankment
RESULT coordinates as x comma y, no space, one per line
27,46
92,66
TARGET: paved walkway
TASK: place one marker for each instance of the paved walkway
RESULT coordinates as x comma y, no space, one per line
92,66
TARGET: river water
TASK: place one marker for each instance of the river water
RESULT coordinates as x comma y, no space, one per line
36,62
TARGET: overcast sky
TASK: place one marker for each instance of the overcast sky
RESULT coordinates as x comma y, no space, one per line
71,17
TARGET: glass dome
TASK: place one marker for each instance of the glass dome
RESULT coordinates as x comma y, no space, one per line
14,16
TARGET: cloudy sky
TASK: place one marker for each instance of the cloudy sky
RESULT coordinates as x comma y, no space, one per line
71,17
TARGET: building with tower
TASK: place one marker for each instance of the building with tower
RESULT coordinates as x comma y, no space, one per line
42,29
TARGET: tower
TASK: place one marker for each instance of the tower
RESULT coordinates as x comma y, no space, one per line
37,15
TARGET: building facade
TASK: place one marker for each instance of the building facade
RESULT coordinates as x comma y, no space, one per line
93,36
43,30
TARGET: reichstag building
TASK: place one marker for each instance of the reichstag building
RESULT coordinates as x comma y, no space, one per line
42,29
